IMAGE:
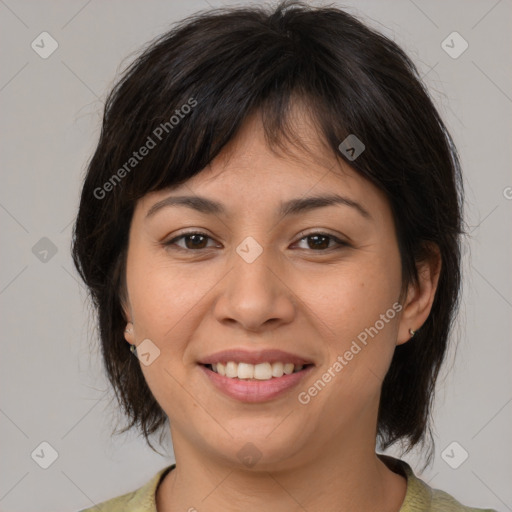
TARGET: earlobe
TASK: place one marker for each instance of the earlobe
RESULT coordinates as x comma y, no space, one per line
420,295
128,333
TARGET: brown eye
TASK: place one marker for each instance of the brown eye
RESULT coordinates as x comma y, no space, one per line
191,241
322,241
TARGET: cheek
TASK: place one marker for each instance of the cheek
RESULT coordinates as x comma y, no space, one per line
358,324
353,297
162,294
358,315
168,304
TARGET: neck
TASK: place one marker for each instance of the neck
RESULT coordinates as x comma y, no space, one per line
339,480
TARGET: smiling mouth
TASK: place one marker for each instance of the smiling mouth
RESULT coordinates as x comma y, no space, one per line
255,372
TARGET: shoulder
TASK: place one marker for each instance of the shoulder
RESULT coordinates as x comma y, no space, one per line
117,504
420,497
441,501
140,500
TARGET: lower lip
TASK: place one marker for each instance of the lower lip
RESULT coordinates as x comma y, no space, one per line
255,390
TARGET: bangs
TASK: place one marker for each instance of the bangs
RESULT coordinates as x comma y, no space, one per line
188,103
184,131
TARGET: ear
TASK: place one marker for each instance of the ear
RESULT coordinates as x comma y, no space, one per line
420,295
124,300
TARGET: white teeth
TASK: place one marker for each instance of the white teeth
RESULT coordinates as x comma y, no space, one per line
277,370
288,368
261,371
231,369
245,371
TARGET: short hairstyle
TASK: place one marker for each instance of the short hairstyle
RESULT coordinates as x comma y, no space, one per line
193,88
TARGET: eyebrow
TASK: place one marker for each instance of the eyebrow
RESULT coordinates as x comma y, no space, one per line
290,207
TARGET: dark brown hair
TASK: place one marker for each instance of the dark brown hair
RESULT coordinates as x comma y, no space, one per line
232,63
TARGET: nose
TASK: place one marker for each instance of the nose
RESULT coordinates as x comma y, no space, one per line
255,296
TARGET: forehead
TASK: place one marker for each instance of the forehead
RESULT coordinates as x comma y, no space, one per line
249,170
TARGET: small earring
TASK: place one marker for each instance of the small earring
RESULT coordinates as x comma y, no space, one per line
128,328
133,349
412,333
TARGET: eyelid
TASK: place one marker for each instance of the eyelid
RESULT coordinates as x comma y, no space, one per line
319,231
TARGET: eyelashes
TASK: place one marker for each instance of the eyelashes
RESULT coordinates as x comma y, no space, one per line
321,242
189,235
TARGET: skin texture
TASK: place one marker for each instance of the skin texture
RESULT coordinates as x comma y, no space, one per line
295,297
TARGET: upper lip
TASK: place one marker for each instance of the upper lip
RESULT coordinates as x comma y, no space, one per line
254,357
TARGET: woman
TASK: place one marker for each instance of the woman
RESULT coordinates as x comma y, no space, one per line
271,223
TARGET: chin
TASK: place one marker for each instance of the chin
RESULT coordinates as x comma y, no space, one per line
258,446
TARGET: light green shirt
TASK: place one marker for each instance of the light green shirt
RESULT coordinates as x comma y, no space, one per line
418,498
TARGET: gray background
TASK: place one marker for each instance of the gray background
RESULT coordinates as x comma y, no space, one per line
52,384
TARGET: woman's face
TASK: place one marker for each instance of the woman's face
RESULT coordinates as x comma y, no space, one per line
269,272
